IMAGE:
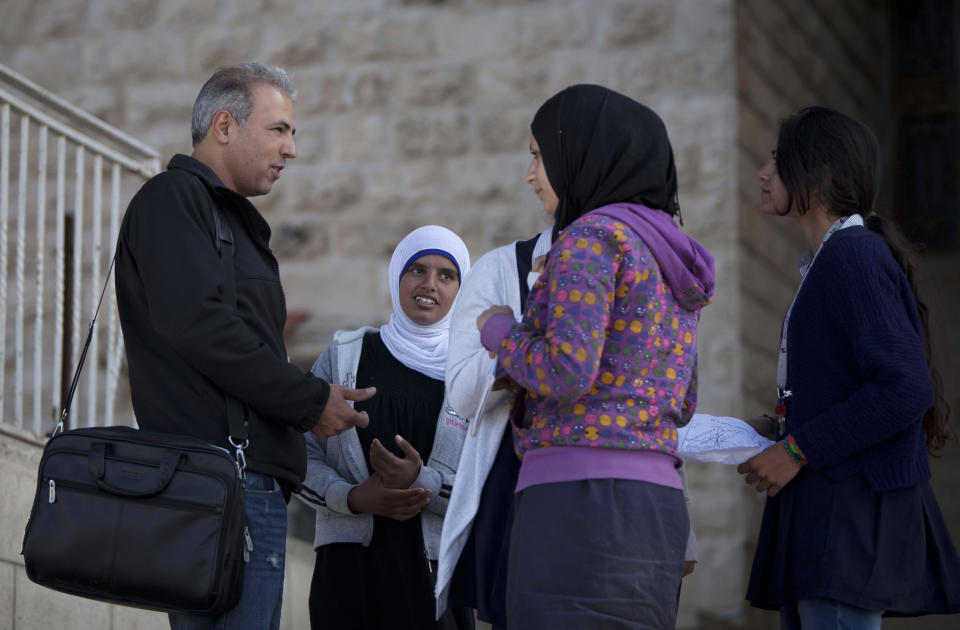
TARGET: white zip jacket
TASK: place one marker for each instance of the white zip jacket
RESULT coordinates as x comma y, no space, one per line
492,280
336,465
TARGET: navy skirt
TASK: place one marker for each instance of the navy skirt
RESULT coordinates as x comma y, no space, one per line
603,554
887,551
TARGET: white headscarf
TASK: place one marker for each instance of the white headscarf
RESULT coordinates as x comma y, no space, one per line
421,348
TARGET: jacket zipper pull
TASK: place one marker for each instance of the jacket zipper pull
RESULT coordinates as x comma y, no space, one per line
248,547
53,492
427,556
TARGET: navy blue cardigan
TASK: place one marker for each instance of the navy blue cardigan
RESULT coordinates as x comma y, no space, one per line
857,367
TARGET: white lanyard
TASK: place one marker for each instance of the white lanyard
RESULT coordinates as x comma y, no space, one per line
805,263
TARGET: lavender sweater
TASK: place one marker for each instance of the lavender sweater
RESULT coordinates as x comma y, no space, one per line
606,349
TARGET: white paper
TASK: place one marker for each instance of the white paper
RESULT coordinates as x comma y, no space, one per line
719,439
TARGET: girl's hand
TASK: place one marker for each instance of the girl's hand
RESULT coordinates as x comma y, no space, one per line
397,472
764,425
373,497
484,316
770,470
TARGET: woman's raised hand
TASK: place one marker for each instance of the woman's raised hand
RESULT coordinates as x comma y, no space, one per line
484,316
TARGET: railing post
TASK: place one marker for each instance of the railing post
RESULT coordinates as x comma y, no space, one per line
75,251
41,247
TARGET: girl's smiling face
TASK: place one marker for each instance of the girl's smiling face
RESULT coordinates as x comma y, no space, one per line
428,287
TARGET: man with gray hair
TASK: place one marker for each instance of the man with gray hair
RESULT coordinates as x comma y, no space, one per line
195,348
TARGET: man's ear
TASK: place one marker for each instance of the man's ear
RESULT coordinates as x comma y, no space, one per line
223,126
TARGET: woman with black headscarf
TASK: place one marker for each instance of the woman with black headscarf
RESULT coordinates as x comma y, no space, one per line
605,357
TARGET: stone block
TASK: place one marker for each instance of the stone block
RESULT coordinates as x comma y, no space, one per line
254,11
425,3
463,36
302,43
147,56
39,607
633,23
186,14
104,102
381,39
18,19
323,91
560,27
60,19
298,575
502,3
350,283
358,138
124,14
321,191
168,138
671,69
489,178
444,134
135,619
299,238
504,130
7,595
343,90
53,66
514,82
371,87
569,67
19,461
312,141
429,173
145,104
224,47
434,85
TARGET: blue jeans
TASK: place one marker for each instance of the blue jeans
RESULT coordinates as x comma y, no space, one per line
260,602
817,614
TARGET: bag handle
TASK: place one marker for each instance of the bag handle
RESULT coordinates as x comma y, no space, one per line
154,484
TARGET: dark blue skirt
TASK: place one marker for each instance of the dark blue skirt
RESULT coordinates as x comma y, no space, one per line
887,551
597,554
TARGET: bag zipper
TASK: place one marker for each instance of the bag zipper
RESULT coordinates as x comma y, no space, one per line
248,546
166,503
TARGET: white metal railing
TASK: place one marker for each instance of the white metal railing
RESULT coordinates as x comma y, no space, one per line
69,238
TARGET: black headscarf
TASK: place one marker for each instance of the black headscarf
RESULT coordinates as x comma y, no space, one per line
601,147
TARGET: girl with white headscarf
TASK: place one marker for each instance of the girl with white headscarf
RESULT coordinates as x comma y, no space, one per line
380,493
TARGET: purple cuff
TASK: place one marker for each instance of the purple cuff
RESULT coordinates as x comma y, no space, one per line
495,330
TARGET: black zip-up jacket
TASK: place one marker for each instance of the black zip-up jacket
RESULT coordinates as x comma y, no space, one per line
186,346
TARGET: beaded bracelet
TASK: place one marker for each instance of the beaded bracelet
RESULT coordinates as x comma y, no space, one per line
790,445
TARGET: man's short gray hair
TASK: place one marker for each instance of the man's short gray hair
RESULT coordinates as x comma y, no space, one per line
231,88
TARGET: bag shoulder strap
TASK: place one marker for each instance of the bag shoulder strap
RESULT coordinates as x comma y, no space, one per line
235,411
225,248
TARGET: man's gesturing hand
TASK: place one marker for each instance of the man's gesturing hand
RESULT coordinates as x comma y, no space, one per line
339,415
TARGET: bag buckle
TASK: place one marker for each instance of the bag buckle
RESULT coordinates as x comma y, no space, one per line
241,459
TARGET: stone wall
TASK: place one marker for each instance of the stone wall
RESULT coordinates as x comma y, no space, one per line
417,111
413,112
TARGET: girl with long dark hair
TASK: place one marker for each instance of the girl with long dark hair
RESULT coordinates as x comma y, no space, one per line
851,529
